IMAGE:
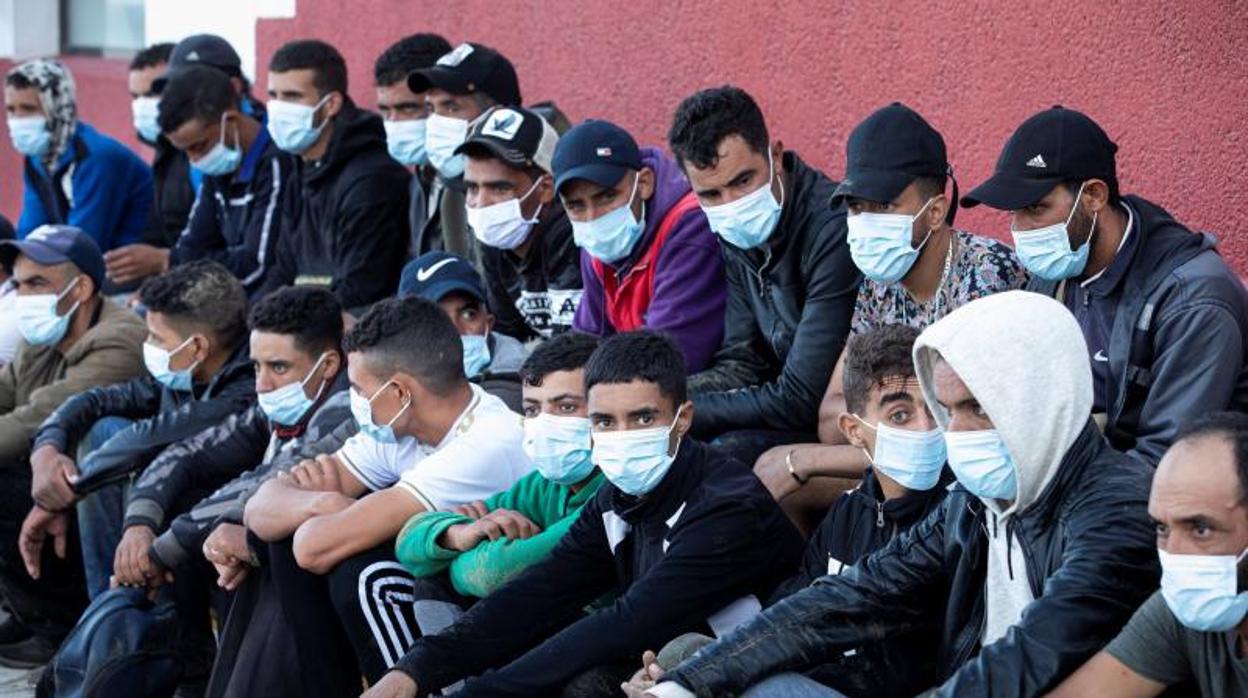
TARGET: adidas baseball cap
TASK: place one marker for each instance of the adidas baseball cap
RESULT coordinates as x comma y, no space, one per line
467,69
598,151
202,49
889,150
1056,145
57,244
514,135
435,274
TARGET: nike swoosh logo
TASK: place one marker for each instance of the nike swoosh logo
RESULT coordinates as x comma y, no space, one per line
1100,355
424,274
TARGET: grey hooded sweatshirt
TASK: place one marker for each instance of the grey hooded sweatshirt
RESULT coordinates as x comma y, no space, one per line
1038,405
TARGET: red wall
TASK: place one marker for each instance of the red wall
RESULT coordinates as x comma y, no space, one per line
1168,81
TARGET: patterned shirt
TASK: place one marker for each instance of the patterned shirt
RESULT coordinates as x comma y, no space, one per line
980,267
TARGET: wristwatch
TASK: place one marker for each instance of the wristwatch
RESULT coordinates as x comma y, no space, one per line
788,461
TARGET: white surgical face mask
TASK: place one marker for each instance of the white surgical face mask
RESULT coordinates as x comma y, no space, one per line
1202,591
291,124
611,236
1046,251
914,459
38,320
560,447
145,110
749,221
635,460
221,159
30,135
503,225
881,244
406,141
982,463
442,136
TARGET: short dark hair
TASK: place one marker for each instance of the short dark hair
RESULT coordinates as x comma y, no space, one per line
642,355
414,336
313,54
313,316
408,54
151,56
566,352
201,294
1111,181
873,356
1229,426
929,186
709,116
195,92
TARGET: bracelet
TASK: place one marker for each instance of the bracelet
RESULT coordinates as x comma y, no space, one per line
788,461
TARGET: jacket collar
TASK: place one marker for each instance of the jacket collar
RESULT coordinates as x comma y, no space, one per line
1087,446
238,363
906,509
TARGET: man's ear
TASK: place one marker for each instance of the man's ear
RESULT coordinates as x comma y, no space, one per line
645,184
546,189
934,217
489,320
1095,195
333,105
332,363
851,428
684,420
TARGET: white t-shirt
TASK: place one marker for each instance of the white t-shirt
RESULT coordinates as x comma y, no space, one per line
9,334
480,456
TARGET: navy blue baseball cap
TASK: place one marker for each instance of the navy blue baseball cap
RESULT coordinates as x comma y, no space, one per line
435,274
1054,146
57,244
598,151
202,49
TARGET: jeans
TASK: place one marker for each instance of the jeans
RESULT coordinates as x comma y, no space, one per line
101,513
790,686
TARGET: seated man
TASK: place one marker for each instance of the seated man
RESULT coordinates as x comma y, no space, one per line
250,185
491,359
531,264
648,258
1194,630
75,340
686,537
429,441
791,281
1164,318
1027,568
350,235
495,540
73,174
199,374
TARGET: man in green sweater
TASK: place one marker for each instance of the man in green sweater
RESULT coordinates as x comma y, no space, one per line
484,544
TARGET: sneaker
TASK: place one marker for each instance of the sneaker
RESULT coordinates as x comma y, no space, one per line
31,653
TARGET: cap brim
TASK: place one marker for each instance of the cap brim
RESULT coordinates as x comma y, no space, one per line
36,251
602,174
880,186
439,77
438,291
507,155
1009,193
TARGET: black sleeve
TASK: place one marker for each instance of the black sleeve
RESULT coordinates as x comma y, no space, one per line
372,241
740,361
138,398
815,557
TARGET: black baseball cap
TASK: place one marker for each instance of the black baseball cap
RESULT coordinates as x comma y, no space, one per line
202,49
598,151
467,69
515,135
889,150
435,274
57,244
1056,145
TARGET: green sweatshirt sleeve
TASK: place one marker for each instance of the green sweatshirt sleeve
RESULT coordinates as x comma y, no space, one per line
491,564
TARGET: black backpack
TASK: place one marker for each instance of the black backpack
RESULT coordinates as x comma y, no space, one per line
124,645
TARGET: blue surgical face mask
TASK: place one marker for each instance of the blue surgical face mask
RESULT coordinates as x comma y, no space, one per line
982,463
1202,591
476,353
559,447
749,221
913,459
362,410
443,135
221,160
289,404
635,460
30,135
881,244
145,111
291,124
611,236
38,320
157,361
406,141
1046,251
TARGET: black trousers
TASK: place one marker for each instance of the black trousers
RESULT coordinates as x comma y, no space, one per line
50,606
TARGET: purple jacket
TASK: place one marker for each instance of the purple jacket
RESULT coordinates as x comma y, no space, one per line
689,287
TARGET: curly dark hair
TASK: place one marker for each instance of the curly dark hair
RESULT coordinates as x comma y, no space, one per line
152,56
200,296
566,352
414,336
643,355
408,54
873,356
313,54
709,116
1229,426
312,315
195,92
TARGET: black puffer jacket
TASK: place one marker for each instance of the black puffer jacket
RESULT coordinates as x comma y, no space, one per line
788,316
1091,559
162,417
351,233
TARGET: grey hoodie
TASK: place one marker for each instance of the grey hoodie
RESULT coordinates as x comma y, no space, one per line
1023,357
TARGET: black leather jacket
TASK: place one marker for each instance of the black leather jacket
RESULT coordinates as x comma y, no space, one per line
788,315
1091,559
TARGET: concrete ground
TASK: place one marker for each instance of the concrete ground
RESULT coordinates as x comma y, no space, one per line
15,683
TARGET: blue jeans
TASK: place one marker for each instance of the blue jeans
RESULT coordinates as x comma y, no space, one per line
790,686
101,513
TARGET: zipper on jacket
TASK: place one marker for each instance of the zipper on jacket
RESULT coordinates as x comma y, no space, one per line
1009,558
879,514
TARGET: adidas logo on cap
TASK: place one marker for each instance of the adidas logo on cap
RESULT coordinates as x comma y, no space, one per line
1037,161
